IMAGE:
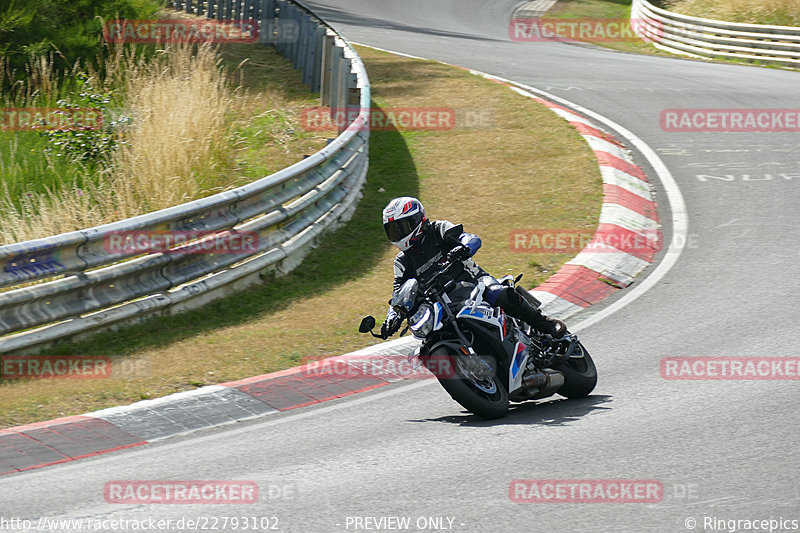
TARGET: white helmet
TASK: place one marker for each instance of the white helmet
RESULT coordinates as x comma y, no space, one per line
403,219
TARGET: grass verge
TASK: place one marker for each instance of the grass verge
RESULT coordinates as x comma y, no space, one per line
751,11
521,167
618,11
772,12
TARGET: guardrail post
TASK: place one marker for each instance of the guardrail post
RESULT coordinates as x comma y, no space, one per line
335,80
341,91
302,43
266,22
281,19
294,46
326,69
319,65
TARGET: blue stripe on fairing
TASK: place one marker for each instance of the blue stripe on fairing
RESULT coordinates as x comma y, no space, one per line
520,355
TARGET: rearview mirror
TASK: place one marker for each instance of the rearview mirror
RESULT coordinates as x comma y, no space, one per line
367,323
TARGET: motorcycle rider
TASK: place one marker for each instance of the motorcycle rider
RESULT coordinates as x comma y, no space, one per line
424,243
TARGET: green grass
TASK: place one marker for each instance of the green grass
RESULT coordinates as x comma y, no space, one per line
26,170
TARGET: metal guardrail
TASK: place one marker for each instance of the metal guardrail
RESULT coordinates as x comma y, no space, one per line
88,286
705,38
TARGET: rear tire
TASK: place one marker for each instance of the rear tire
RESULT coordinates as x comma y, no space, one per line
488,405
580,375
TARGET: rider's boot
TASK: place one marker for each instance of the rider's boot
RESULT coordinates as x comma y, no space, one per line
515,305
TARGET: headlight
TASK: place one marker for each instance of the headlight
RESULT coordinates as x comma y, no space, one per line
422,321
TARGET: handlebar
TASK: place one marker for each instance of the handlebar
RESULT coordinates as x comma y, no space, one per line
444,266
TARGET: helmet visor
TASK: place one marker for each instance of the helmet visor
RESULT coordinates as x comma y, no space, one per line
397,230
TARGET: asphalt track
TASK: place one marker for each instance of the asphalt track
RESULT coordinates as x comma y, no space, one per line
721,449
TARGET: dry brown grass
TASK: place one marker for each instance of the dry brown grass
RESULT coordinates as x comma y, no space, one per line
529,169
774,12
193,134
180,102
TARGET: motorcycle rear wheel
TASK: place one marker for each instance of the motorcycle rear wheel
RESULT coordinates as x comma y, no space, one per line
488,398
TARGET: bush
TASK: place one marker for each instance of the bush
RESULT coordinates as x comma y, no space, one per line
94,145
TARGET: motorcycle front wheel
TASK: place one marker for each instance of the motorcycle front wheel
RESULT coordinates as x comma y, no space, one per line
483,395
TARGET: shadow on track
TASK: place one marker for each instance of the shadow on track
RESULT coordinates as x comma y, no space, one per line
559,412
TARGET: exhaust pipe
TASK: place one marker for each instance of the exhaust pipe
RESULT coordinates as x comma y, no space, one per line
543,384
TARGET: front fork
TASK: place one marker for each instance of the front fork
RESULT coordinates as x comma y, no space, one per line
472,363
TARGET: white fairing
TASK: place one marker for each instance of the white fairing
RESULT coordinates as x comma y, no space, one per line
487,314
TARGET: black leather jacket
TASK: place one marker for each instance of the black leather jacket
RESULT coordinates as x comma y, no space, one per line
421,260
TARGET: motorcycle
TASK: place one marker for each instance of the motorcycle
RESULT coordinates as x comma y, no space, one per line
481,356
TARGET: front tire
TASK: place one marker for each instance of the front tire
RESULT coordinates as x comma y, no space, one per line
580,375
486,398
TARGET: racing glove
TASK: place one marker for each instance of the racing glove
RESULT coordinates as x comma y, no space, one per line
459,253
390,326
